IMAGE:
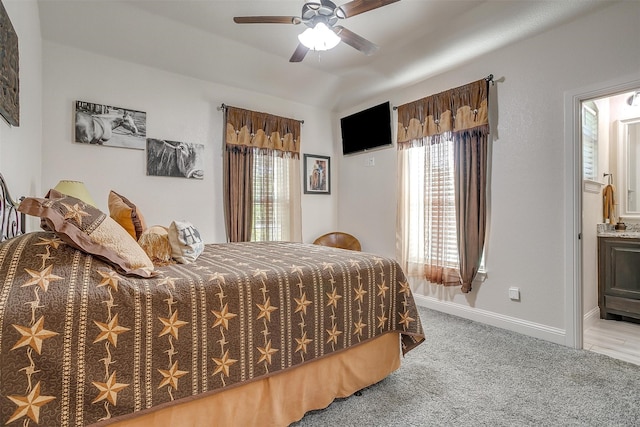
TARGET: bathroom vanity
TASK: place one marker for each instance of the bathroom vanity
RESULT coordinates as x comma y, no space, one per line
619,274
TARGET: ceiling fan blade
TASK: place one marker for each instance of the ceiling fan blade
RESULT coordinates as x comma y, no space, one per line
355,41
356,7
267,20
299,54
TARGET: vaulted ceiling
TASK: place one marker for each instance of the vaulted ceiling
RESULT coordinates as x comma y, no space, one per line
417,39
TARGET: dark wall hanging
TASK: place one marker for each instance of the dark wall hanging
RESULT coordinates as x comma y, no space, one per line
9,75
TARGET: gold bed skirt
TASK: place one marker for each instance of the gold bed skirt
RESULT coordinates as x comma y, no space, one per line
283,398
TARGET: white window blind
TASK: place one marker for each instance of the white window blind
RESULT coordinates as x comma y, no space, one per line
270,198
589,143
431,169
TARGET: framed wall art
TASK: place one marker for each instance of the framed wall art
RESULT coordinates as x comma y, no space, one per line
317,174
173,158
9,70
110,126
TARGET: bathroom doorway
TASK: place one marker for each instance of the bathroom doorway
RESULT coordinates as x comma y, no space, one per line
603,163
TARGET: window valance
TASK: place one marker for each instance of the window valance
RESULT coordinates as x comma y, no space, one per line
253,129
458,109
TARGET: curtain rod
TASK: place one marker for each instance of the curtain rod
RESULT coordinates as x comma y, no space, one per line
489,79
224,106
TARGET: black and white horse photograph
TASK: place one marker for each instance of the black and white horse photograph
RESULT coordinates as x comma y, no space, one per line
110,126
173,158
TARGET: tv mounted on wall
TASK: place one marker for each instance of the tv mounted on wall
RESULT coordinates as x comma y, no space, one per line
367,129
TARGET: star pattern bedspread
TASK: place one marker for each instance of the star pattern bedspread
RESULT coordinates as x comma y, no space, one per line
81,344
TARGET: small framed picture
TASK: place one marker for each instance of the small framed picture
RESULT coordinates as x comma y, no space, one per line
317,174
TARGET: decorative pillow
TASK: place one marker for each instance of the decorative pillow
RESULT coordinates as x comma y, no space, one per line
126,214
155,242
86,228
186,244
51,194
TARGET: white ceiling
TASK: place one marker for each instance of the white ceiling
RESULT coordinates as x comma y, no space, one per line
417,39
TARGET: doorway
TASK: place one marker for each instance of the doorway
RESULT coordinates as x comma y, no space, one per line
602,159
573,187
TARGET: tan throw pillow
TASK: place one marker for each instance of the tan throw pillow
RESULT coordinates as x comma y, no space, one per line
127,214
88,229
186,244
155,242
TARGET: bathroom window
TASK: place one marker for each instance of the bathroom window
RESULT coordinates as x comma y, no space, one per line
589,141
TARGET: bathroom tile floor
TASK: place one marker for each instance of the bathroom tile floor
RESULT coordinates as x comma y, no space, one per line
620,340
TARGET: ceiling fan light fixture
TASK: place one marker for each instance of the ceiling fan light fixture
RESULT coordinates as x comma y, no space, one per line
319,37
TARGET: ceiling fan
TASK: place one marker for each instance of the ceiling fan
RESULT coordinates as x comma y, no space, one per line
321,18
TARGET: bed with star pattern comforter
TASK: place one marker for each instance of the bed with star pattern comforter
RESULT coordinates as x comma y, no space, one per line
81,344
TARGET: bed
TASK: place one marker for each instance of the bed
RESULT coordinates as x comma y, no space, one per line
247,334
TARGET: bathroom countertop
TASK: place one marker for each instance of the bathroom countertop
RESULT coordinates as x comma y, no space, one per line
607,230
625,234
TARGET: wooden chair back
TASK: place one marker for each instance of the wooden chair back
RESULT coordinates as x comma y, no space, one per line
338,239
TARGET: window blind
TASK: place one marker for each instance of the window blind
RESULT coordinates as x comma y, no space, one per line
589,143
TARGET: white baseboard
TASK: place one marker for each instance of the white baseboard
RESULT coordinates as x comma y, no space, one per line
590,318
514,324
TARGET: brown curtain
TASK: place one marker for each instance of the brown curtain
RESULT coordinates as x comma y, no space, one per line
238,194
250,136
470,164
459,115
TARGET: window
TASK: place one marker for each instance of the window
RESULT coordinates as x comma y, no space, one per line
430,229
271,218
589,141
431,168
261,177
443,147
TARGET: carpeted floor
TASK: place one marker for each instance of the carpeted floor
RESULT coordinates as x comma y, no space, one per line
470,374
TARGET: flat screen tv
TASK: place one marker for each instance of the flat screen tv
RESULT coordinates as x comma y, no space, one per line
367,129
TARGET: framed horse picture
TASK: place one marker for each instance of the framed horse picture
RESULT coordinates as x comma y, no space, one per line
110,126
317,174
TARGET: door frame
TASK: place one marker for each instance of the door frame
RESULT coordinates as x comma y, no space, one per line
574,315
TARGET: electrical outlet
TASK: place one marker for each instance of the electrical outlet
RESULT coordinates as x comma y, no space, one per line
514,293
